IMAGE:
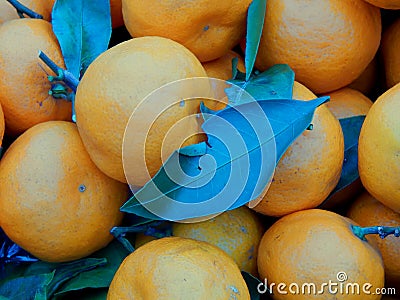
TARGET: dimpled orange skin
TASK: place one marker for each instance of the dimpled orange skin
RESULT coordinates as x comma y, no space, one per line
390,53
379,149
23,83
2,125
327,43
207,28
313,246
238,232
42,7
367,211
388,4
310,168
346,102
119,80
178,268
41,205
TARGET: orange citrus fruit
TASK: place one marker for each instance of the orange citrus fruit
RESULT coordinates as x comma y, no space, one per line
207,28
2,125
54,202
327,43
116,13
221,68
347,102
42,7
310,168
390,53
238,232
367,80
367,211
316,247
23,80
119,79
379,149
387,4
178,268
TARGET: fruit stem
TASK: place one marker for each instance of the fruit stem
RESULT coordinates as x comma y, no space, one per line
62,75
382,231
23,10
148,229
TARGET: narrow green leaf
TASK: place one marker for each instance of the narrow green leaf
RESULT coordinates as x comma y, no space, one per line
351,131
288,119
83,29
274,83
99,277
24,288
255,23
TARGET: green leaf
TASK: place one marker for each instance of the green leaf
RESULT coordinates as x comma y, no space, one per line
83,29
100,277
156,229
64,271
241,165
274,83
351,128
26,287
255,23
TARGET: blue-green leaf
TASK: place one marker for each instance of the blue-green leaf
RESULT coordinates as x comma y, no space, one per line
255,23
83,29
351,128
26,287
234,168
99,277
274,83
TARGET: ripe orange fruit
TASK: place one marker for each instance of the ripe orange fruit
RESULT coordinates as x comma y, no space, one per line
367,211
378,149
178,268
310,168
390,53
221,68
42,7
54,202
367,80
327,43
23,81
116,13
119,79
346,102
2,125
388,4
207,28
238,232
317,247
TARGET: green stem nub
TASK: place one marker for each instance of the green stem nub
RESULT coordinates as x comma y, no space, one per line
22,10
58,91
382,231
